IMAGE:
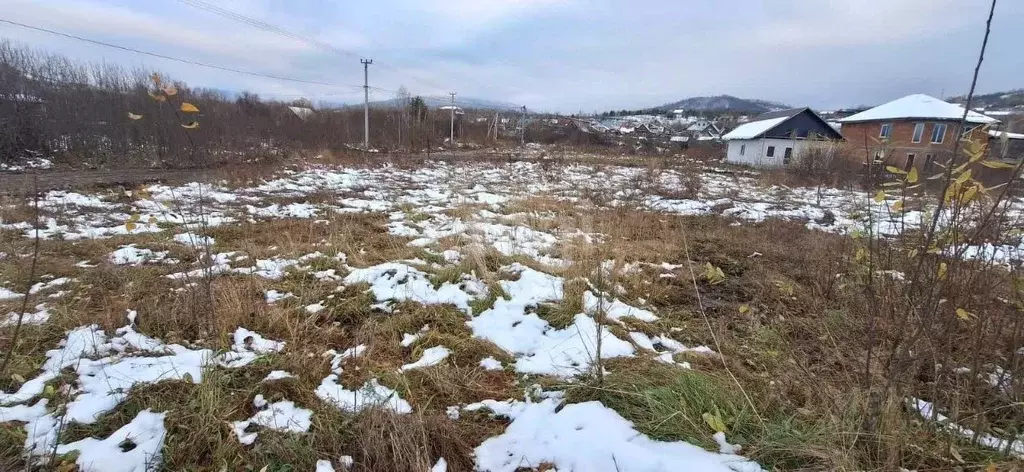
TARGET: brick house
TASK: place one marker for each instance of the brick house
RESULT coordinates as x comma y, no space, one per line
913,131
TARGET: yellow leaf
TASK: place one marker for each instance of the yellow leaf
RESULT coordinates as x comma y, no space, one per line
133,116
152,220
894,170
991,467
997,165
134,217
192,125
714,421
158,97
912,254
898,206
879,197
861,254
960,179
970,194
189,108
170,91
936,176
912,176
943,268
130,226
744,308
964,314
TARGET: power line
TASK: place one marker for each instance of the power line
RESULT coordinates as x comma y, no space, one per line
264,26
177,59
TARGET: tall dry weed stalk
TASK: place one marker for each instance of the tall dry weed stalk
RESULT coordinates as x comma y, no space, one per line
944,305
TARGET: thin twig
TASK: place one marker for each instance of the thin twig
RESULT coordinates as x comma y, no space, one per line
948,174
707,322
28,284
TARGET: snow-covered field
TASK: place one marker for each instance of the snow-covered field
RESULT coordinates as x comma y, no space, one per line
445,215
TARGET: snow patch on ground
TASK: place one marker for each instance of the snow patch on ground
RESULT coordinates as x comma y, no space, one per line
392,281
372,394
431,356
146,432
589,436
279,416
133,255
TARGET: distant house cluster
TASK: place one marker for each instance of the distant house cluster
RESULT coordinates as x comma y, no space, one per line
677,129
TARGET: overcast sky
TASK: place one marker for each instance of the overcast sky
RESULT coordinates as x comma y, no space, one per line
558,55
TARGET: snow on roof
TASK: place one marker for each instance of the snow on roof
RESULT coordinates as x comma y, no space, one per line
754,128
301,112
917,106
999,134
679,139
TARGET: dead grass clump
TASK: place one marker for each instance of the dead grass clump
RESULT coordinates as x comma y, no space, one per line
438,387
107,292
352,306
384,441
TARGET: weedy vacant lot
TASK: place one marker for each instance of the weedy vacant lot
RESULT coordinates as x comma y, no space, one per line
499,317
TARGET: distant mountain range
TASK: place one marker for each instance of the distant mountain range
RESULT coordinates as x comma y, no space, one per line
724,103
997,100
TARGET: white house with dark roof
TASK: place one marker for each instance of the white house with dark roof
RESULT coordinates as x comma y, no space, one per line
776,138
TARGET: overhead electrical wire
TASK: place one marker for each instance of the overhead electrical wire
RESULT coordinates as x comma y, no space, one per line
253,22
177,59
262,25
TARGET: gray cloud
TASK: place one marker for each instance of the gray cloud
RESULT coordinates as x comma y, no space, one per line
563,55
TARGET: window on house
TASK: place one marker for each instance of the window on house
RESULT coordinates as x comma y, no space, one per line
743,149
938,133
929,162
968,129
918,132
910,162
771,151
886,130
788,156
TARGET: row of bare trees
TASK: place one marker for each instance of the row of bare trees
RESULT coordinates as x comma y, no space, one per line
78,113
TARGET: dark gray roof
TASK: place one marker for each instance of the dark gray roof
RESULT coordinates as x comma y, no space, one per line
794,122
779,114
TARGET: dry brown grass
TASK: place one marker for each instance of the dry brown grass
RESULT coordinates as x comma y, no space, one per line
384,441
795,347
